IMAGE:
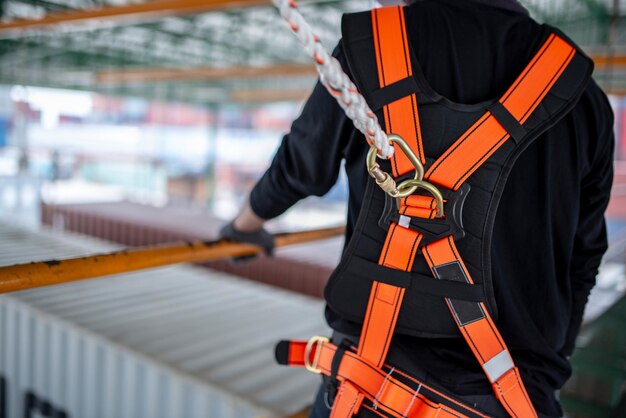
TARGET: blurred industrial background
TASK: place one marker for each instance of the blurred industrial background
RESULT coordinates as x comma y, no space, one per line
127,123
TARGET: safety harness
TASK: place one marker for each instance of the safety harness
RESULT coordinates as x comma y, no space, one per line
424,221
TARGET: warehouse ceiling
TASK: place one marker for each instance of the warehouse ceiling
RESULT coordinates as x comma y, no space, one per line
219,50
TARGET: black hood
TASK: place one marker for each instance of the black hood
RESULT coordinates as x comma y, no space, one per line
512,5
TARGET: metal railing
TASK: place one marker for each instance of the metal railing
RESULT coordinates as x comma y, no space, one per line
51,272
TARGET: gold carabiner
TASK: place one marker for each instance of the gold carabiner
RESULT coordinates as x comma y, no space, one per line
413,185
383,179
409,186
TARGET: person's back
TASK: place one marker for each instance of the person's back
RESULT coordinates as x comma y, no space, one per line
549,232
548,235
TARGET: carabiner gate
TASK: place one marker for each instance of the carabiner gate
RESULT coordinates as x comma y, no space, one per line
384,180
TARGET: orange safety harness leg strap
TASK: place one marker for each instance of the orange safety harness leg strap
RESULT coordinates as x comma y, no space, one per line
395,295
385,389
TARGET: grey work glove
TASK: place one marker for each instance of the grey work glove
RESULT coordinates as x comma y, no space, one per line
261,238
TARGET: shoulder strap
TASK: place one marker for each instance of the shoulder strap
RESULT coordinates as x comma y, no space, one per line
394,89
385,299
395,70
556,62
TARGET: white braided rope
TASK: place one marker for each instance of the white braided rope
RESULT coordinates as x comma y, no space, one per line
335,80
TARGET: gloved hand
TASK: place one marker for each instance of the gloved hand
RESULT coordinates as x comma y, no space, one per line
261,238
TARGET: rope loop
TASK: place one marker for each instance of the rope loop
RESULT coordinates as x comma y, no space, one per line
336,80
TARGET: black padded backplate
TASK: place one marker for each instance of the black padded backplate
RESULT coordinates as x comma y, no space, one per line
423,312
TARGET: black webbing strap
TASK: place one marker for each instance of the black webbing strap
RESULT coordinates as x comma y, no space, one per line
420,282
508,121
389,94
333,383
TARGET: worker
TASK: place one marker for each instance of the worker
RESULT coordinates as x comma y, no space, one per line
548,232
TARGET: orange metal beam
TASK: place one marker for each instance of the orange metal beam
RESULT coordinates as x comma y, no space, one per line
266,95
602,61
616,91
130,13
46,273
145,75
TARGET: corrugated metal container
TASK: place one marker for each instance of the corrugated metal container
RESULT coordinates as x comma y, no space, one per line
173,342
303,268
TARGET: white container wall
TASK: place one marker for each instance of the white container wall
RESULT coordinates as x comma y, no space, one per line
51,368
179,342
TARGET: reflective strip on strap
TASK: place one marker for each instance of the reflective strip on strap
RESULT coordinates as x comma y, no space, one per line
465,312
498,365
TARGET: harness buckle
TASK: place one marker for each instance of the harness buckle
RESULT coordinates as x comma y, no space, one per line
317,342
432,229
409,184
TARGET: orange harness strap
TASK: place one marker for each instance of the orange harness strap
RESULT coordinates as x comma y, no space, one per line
401,244
480,332
383,307
394,64
450,170
483,139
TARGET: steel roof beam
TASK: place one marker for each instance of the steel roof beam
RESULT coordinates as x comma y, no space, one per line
232,50
127,14
604,61
147,75
266,95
